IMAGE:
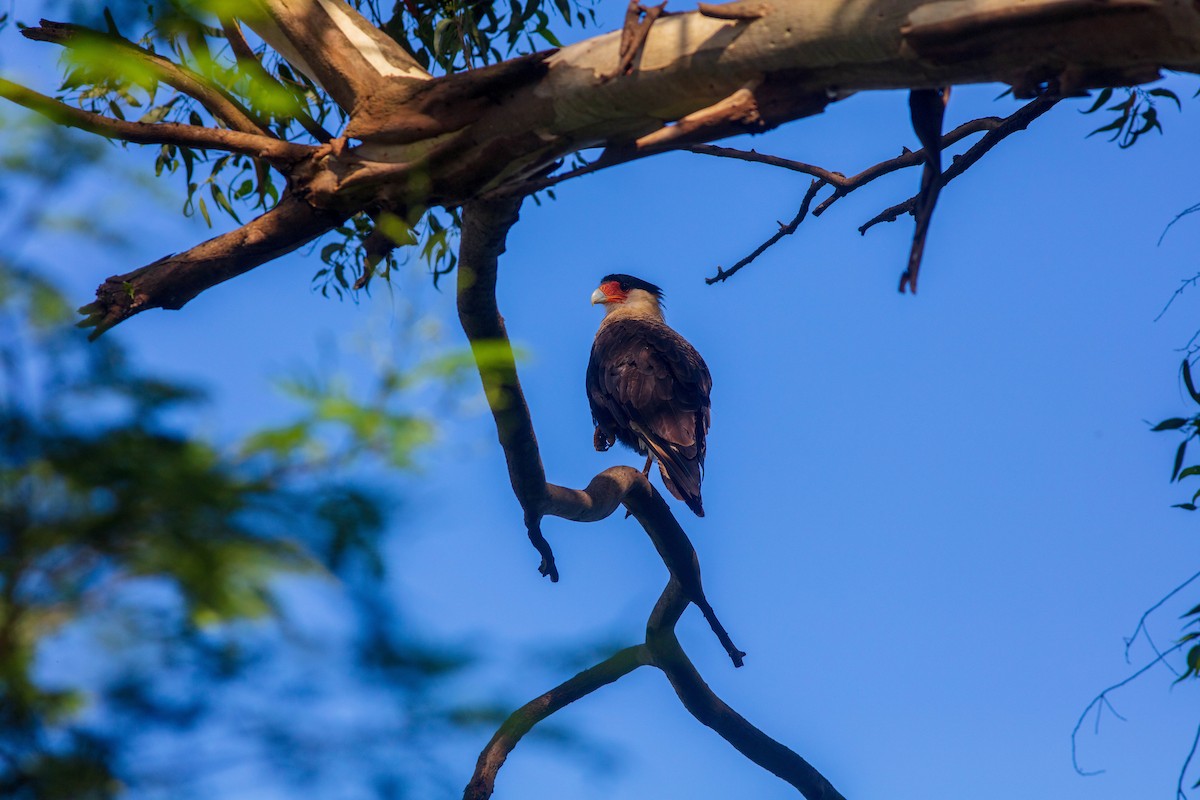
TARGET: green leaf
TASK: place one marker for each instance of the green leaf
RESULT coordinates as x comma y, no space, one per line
1167,93
1174,423
1179,459
1101,99
1195,610
1185,506
1115,125
1186,369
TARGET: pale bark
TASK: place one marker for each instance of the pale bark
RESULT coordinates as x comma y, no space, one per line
737,68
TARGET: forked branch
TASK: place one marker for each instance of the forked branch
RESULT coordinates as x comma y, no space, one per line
663,651
485,226
995,130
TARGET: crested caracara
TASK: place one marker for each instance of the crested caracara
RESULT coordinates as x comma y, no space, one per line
648,387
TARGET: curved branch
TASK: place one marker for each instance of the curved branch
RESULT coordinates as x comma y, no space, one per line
252,144
712,711
219,103
484,228
995,130
521,721
172,281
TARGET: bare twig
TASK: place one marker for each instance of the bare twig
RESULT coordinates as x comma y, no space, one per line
1018,121
219,103
1141,625
995,129
1099,700
257,145
663,651
1179,793
710,710
784,230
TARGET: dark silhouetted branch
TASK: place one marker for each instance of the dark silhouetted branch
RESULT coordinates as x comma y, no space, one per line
484,228
1101,700
784,230
927,107
521,721
668,655
995,130
1018,121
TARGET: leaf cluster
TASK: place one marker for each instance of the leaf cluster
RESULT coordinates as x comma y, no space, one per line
107,72
1136,114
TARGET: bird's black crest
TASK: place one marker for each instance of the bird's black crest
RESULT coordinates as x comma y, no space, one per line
629,282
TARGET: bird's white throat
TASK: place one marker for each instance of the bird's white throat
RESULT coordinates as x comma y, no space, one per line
638,304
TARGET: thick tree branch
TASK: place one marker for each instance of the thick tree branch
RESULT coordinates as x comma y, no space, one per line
218,102
257,145
172,281
333,45
248,62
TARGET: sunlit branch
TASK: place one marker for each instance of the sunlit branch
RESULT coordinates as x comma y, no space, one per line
248,62
252,144
218,102
334,45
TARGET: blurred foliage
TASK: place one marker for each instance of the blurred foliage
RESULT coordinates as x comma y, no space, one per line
106,70
156,566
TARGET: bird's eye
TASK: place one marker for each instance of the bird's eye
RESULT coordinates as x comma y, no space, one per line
624,287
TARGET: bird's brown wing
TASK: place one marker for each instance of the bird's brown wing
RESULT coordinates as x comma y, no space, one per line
649,388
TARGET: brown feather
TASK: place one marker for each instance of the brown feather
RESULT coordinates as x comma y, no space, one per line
649,389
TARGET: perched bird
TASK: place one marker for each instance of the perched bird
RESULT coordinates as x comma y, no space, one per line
648,387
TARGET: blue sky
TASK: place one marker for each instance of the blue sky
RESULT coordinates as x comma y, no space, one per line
931,519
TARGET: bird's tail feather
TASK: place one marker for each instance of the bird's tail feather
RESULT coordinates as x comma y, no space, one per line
681,475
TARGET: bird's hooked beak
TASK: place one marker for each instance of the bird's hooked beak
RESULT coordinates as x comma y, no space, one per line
608,292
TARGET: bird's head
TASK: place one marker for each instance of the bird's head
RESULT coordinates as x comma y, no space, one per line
625,291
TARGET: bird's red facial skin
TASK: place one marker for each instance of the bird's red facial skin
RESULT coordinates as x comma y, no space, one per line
612,292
